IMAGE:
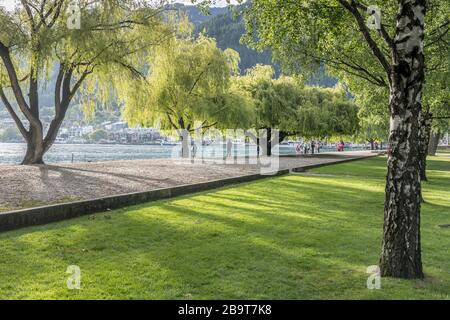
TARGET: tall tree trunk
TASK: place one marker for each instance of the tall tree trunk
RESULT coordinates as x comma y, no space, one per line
224,148
401,249
273,139
269,142
35,139
424,139
433,144
37,145
184,137
263,142
258,146
183,132
35,149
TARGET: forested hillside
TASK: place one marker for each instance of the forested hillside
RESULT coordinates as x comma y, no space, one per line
196,16
228,29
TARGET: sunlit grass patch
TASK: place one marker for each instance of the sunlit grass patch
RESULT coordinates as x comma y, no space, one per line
291,237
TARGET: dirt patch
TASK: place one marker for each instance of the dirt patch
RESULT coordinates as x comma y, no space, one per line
31,186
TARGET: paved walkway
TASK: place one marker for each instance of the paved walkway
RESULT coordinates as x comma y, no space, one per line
28,186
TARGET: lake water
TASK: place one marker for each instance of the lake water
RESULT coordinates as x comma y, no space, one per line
12,153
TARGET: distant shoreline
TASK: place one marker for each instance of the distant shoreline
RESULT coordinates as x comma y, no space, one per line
13,153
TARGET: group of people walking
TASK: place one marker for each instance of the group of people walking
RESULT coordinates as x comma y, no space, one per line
308,148
312,147
229,147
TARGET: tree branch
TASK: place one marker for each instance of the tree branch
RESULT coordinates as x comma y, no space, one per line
171,121
27,8
352,8
198,78
58,84
13,114
15,85
77,85
382,31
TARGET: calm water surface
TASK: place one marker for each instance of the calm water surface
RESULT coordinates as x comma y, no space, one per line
12,153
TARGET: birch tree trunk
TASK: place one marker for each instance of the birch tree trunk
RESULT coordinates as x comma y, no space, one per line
401,249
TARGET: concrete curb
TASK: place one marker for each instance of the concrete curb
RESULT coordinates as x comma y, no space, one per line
46,214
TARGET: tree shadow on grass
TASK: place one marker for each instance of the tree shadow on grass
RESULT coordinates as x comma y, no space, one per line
311,239
80,185
207,246
438,164
131,177
200,262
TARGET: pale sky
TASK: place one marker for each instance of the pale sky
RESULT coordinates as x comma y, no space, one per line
220,3
7,3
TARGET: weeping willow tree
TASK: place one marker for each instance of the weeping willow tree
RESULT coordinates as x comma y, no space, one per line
292,108
275,103
374,126
87,43
188,87
326,112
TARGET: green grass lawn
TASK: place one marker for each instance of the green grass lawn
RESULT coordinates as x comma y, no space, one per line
443,150
293,237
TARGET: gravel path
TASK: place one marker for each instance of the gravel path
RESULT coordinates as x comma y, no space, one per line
28,186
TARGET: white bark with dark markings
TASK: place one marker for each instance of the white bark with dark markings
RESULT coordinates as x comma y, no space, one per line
401,247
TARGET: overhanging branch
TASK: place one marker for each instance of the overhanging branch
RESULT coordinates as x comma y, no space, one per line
13,114
353,9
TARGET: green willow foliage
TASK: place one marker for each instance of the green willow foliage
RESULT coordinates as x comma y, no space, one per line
102,48
111,41
295,109
188,85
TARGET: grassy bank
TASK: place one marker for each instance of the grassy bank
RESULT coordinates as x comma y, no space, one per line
293,237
